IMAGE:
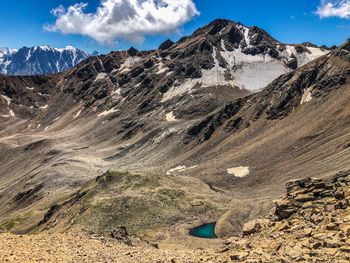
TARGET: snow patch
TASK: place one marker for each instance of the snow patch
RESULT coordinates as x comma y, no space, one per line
180,88
117,92
162,68
307,96
129,63
44,107
107,112
316,53
238,171
8,100
256,76
77,114
216,75
56,119
179,169
249,72
211,77
100,76
170,117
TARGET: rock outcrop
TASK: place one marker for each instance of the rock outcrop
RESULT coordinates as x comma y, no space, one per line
310,224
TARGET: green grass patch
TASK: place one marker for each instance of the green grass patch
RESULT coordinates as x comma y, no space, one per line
18,220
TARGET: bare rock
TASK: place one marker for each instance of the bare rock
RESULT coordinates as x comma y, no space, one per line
121,235
254,226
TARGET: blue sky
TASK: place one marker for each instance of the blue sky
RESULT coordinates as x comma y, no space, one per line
23,23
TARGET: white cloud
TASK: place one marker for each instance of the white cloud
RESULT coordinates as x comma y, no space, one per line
123,19
335,8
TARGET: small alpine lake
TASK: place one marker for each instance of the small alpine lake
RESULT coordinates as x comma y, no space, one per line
204,231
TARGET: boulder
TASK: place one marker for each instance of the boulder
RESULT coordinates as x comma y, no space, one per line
304,198
121,235
254,226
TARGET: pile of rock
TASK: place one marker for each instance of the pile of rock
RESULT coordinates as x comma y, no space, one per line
312,224
306,193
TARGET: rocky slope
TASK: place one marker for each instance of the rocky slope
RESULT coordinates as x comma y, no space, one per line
311,223
189,141
39,60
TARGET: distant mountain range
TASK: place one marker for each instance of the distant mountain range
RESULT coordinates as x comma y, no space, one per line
40,60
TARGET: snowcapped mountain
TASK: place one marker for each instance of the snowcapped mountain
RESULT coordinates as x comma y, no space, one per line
39,60
241,56
6,51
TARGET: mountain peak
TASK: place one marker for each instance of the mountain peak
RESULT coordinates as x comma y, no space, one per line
44,47
166,44
95,53
132,51
70,48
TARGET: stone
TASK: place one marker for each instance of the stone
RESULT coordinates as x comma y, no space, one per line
342,204
254,226
121,235
307,232
304,198
339,195
331,243
316,245
331,227
281,226
285,208
316,218
292,185
345,228
345,249
239,256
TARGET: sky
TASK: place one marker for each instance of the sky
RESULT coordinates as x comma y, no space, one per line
106,25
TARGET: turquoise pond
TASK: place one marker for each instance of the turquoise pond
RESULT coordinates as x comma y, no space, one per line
204,231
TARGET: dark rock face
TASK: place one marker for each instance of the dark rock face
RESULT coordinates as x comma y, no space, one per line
132,51
166,44
41,60
301,49
346,45
205,128
293,62
26,195
52,211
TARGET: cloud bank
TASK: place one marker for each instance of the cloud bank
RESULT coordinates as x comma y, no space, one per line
337,8
123,19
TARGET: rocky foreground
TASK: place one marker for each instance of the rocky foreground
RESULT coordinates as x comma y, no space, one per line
311,224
